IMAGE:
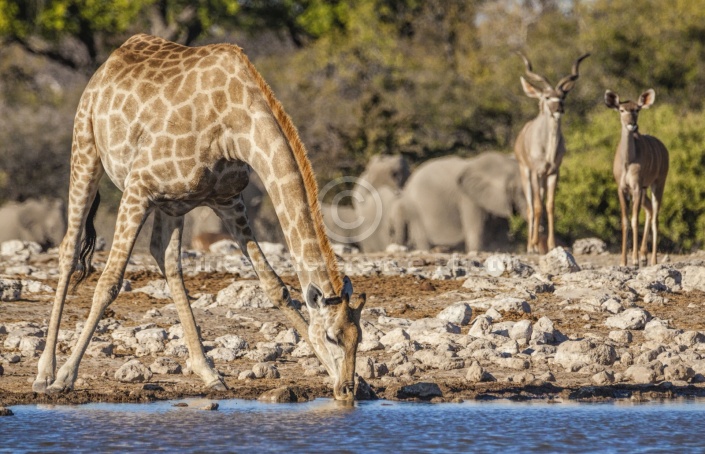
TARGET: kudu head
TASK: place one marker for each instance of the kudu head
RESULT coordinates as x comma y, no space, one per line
629,110
550,98
334,333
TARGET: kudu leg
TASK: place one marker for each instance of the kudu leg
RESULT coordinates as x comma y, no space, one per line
625,227
656,194
643,251
538,211
525,174
551,183
636,206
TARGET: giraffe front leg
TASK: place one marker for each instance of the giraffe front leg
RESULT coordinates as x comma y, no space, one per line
133,209
166,249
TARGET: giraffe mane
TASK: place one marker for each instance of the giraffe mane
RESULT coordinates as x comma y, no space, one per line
301,157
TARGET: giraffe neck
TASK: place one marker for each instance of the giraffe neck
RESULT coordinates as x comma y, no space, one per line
280,159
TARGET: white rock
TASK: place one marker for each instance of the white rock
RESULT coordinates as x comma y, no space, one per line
243,294
165,366
693,278
481,327
394,336
264,370
511,304
574,355
156,289
96,349
621,336
459,314
158,334
558,261
641,374
507,265
632,318
133,372
223,354
522,330
224,247
232,341
289,336
272,249
431,325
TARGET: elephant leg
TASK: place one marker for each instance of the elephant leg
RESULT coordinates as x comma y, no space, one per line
473,219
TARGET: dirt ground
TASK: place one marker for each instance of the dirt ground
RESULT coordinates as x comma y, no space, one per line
400,296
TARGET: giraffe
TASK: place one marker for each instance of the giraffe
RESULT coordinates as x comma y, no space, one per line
176,127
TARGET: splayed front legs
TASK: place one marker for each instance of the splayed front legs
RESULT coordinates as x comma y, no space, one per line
166,250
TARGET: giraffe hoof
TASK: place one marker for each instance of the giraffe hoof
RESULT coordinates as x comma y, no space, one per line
217,385
57,388
40,385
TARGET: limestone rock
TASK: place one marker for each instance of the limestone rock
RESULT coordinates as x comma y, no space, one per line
133,372
632,318
458,314
241,294
558,261
286,394
574,355
165,365
264,370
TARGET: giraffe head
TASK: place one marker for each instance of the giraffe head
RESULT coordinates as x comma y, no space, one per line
334,333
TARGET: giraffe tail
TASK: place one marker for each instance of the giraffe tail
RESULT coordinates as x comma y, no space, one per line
88,244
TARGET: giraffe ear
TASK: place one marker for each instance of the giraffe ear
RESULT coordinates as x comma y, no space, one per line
347,290
314,296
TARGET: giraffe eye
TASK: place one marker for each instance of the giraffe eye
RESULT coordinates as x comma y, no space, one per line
331,339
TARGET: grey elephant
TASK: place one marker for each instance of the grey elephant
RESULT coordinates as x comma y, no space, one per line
455,203
365,221
40,220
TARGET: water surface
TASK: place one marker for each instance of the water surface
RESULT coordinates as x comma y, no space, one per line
378,426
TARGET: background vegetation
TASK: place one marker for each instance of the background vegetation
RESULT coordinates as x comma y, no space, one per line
422,78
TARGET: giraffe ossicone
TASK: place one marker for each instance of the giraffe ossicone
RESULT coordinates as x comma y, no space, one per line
177,127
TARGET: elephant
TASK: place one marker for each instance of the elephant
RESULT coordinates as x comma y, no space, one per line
40,220
364,222
455,203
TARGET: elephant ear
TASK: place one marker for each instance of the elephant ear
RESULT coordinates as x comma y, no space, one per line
489,188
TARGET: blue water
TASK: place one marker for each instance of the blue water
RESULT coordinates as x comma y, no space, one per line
379,426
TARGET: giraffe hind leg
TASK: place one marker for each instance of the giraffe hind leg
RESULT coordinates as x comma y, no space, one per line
134,207
166,249
82,203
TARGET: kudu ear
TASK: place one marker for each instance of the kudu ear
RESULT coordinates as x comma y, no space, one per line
529,89
314,296
611,100
647,98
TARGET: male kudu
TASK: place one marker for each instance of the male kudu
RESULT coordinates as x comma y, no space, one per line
641,162
540,148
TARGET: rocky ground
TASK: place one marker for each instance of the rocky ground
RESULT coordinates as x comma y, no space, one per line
440,327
